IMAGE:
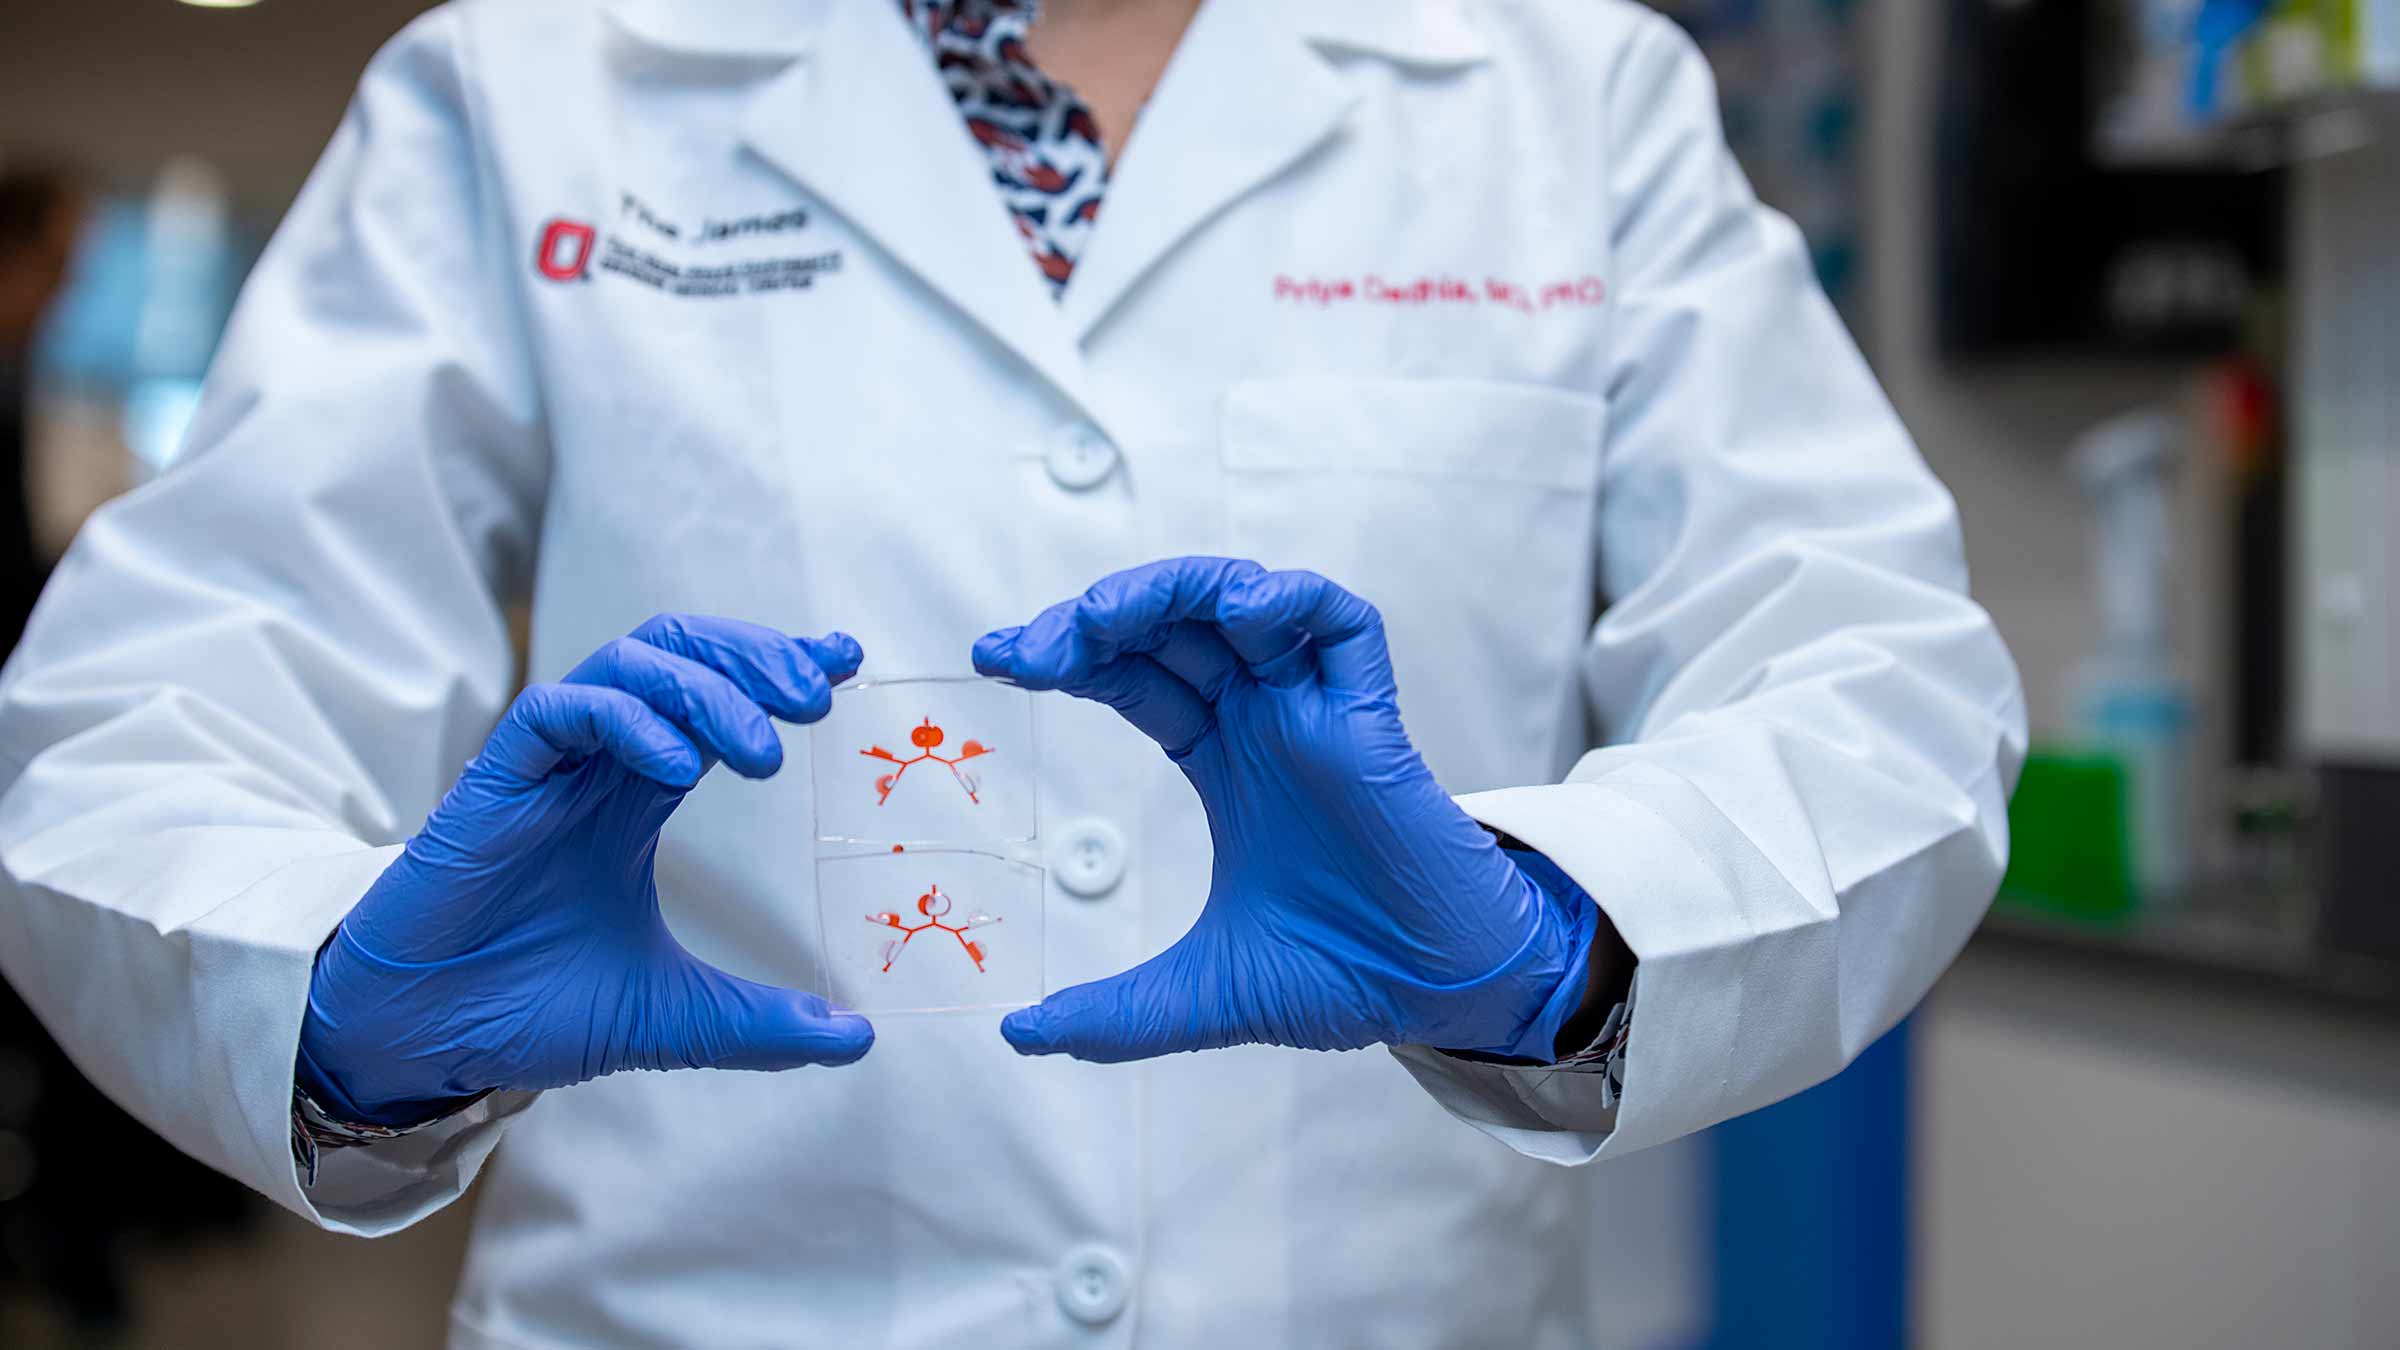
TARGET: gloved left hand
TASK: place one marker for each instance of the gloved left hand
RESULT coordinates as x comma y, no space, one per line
1352,902
517,941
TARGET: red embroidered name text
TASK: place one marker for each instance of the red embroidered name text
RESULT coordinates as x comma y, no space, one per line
1374,289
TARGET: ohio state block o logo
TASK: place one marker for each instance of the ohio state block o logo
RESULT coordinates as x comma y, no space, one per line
565,250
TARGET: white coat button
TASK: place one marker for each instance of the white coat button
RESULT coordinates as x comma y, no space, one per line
1092,1285
1091,858
1081,458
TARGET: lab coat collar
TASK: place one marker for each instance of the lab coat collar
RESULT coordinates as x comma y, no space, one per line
752,29
1429,33
1245,97
1253,90
864,122
1435,33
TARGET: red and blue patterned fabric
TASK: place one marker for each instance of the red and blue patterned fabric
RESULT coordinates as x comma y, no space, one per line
1044,145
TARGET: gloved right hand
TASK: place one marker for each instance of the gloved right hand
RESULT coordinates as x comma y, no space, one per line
517,942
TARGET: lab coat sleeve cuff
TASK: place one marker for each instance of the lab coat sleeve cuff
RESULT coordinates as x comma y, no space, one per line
252,960
1681,916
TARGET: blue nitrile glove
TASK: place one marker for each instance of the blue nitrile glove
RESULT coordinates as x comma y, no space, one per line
517,943
1352,902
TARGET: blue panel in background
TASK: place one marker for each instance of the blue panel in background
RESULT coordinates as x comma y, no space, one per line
89,337
1811,1214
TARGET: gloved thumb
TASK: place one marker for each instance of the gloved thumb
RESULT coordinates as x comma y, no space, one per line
1154,1009
725,1022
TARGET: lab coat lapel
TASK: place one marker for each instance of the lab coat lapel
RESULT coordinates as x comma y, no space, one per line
862,121
1253,91
1243,100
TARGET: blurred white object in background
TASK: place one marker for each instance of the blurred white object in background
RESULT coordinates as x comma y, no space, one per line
2125,464
2143,110
2129,701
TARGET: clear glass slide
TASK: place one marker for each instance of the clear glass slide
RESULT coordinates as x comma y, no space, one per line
929,898
909,930
926,761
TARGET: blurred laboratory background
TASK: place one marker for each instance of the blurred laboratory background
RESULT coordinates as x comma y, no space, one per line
2130,270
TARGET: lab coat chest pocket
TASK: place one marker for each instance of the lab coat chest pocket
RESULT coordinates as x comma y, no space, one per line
1464,510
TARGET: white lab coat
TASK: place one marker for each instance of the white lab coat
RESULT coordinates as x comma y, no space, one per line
1659,507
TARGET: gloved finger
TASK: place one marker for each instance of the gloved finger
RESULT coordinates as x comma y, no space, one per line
1161,607
1154,1009
549,723
1043,654
791,677
1050,654
718,1021
1137,609
719,716
1118,617
1197,654
1158,705
1274,616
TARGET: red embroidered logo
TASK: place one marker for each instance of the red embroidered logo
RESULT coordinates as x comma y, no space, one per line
565,250
1372,289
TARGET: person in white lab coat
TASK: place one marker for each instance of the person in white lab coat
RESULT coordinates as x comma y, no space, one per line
1452,321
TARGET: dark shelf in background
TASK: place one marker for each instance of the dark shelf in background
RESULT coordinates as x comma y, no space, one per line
2045,249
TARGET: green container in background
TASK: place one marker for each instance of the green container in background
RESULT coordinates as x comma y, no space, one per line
2070,850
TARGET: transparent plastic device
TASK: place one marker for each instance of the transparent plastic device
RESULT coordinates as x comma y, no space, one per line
921,930
929,898
926,761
